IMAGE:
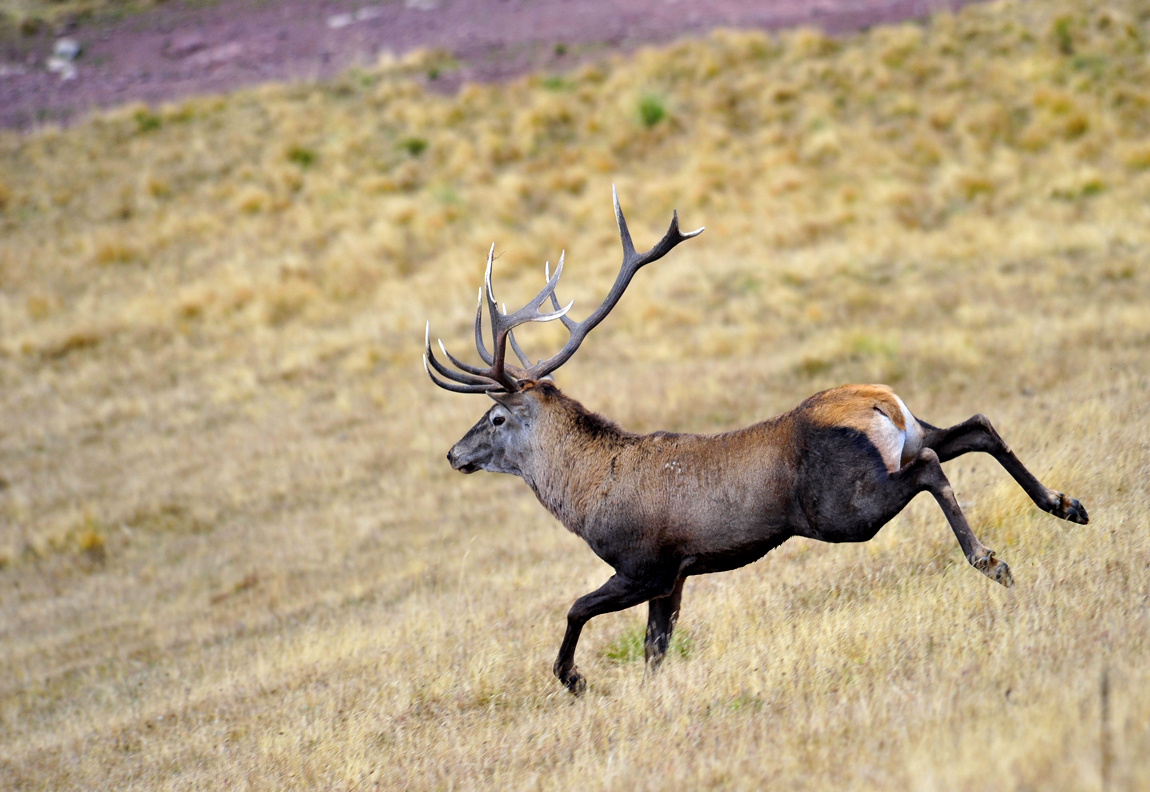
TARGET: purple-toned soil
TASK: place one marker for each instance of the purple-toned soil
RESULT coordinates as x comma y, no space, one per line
180,50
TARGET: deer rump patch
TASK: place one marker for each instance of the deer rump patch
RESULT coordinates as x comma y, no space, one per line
875,412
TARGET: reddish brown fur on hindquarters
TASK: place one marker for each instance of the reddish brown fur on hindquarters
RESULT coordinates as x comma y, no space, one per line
854,405
875,412
659,508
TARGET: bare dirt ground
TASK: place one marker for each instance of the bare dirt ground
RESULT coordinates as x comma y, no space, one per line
181,50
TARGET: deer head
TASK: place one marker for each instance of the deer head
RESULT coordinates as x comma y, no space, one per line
498,442
501,439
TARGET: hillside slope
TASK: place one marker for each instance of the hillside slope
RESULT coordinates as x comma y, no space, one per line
233,554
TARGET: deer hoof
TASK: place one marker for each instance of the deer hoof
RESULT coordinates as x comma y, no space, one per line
575,682
1070,509
996,570
571,679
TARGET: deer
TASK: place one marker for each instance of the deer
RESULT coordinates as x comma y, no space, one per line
659,508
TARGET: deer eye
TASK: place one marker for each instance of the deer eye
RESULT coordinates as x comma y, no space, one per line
498,420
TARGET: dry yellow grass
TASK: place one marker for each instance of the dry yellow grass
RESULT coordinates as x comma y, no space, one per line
233,554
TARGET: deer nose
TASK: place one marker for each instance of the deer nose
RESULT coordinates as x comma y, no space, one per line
451,457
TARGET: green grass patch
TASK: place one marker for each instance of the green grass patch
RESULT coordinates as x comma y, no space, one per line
302,156
629,645
415,146
652,110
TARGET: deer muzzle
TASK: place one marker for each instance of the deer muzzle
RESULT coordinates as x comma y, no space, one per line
459,464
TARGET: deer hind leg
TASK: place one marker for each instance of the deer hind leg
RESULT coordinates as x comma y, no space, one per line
662,613
924,472
978,434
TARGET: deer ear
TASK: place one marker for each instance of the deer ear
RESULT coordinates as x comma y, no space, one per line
508,400
516,402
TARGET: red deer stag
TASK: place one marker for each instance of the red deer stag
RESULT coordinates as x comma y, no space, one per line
664,506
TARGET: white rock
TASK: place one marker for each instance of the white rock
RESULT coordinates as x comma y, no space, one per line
67,49
65,68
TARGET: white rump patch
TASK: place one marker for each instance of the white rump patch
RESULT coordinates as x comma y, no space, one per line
896,446
912,437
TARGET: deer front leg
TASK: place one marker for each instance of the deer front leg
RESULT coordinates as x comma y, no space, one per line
662,614
618,593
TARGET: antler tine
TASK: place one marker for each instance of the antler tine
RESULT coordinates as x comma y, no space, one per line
460,381
498,376
567,321
503,323
624,233
519,353
632,262
459,388
466,368
468,375
483,353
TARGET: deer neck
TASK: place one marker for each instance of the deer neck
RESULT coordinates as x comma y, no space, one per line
573,460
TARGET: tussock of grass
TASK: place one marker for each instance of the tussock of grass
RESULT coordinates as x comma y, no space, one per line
33,16
231,552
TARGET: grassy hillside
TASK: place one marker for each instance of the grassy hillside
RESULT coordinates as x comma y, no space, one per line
231,551
32,16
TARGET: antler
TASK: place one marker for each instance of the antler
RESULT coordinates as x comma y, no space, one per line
501,377
497,377
632,263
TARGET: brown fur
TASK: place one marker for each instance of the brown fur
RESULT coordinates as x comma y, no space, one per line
854,406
